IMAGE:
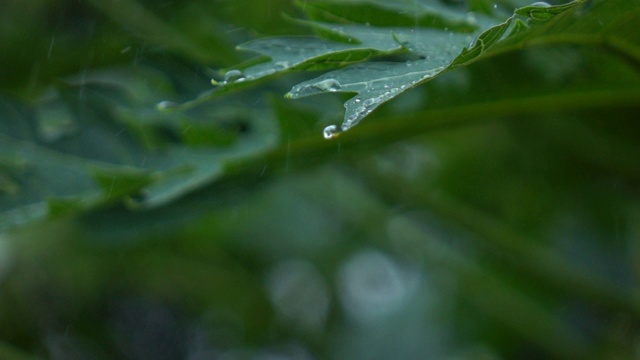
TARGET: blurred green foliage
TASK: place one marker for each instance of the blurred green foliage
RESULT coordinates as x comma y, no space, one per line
490,213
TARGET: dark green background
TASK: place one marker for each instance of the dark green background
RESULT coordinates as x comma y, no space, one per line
509,229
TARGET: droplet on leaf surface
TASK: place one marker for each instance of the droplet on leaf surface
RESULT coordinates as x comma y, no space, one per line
281,65
541,4
331,85
233,76
166,105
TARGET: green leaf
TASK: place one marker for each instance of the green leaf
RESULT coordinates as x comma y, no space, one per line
101,141
381,13
103,129
378,82
313,53
356,42
542,11
435,49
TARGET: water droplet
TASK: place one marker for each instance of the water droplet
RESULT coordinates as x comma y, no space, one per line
330,132
282,65
166,105
357,100
369,102
541,4
233,76
360,109
331,85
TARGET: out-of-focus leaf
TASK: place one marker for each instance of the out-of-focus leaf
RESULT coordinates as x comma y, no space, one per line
131,13
87,144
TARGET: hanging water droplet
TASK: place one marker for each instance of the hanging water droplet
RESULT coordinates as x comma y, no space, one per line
233,76
330,132
166,105
331,85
